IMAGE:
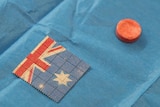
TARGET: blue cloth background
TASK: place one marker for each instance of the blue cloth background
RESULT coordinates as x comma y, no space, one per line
121,75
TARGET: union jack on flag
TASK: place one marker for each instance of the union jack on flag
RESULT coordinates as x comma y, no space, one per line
51,69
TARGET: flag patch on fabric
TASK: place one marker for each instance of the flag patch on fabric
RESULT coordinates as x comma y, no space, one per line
51,69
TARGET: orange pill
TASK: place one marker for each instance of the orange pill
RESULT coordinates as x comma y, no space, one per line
128,30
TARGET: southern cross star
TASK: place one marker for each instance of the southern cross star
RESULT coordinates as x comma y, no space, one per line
62,78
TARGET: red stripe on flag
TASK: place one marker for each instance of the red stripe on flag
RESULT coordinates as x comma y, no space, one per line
48,42
42,64
33,57
30,75
19,72
41,49
55,49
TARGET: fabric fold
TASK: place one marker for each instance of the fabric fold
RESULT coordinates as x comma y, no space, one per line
13,12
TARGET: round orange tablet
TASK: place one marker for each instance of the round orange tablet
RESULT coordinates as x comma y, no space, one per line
128,30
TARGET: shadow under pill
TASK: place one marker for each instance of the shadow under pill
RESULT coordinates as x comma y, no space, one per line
137,46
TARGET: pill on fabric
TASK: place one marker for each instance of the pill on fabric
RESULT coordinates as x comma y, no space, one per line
128,30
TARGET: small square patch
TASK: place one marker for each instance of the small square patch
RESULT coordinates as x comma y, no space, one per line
51,69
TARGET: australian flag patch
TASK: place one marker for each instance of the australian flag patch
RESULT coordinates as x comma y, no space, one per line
51,69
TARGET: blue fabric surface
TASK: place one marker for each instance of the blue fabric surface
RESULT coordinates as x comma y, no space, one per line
121,74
